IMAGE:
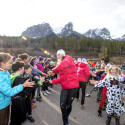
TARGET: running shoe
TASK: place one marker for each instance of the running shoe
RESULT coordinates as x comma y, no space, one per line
33,106
83,107
47,92
99,112
31,119
88,95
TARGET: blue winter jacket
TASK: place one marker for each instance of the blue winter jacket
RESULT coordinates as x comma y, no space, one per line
6,91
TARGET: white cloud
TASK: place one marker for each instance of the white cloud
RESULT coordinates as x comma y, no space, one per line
17,15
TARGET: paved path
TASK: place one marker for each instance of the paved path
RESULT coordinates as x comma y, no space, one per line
48,111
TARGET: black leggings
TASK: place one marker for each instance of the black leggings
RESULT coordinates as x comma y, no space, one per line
82,85
66,98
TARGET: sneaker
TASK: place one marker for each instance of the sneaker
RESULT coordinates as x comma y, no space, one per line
66,124
33,106
99,112
47,92
88,95
31,119
68,116
83,107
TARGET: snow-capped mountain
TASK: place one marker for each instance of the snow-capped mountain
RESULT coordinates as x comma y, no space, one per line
121,38
57,30
68,31
39,31
99,34
45,30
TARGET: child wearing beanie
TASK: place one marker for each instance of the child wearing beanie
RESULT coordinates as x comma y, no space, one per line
40,64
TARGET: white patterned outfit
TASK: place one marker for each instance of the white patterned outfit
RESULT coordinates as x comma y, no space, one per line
114,95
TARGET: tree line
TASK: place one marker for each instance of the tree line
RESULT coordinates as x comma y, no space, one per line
99,47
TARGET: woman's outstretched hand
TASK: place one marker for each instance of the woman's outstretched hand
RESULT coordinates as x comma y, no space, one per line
50,73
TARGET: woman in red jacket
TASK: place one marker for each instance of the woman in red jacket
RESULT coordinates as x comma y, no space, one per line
83,75
69,82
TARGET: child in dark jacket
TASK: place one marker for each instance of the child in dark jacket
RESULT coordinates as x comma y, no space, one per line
21,103
46,83
28,71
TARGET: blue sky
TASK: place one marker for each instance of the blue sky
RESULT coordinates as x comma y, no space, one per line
17,15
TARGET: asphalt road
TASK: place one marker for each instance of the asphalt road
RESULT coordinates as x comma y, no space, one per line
48,111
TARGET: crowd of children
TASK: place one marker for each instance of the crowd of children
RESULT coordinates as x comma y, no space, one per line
28,77
23,78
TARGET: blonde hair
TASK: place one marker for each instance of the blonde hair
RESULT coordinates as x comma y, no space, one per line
109,72
60,60
106,67
4,57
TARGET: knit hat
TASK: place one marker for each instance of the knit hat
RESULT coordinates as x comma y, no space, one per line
84,60
40,58
61,51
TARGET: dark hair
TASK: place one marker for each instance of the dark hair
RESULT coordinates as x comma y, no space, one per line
4,57
47,62
23,56
102,59
26,66
31,61
17,65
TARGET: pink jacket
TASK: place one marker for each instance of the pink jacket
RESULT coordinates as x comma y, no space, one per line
40,66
